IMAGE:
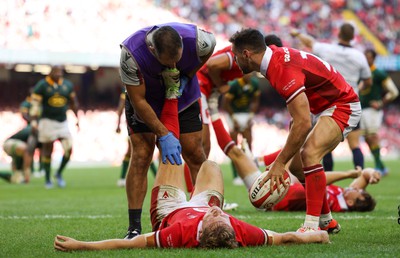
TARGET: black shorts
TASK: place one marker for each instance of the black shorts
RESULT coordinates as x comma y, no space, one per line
189,119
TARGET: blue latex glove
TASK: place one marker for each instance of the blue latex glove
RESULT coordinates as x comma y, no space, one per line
184,81
170,149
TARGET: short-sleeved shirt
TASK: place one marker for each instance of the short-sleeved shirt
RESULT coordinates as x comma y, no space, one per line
242,94
292,72
56,97
375,91
295,199
181,229
348,61
25,106
206,84
336,201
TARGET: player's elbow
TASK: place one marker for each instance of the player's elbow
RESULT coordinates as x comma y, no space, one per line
367,83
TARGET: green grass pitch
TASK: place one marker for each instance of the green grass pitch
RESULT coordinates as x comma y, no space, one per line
92,207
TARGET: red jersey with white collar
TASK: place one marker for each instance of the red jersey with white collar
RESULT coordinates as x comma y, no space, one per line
292,72
295,199
181,229
336,201
206,84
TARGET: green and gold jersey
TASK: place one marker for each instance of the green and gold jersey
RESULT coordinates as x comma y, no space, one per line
23,134
376,90
243,94
24,108
25,105
55,97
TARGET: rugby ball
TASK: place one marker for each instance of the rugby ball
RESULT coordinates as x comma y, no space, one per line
261,197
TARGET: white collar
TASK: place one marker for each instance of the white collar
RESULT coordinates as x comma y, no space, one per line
265,61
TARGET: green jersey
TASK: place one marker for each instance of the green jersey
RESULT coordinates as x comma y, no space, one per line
23,134
55,97
375,91
243,94
24,109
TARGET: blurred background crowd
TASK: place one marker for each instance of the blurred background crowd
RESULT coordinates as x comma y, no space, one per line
84,36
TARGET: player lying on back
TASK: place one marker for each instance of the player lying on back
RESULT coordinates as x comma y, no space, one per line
199,222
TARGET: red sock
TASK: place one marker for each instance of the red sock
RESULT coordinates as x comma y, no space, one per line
169,116
268,159
315,189
224,139
188,179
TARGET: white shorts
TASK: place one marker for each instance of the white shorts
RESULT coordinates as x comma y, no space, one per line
371,120
347,116
166,199
51,130
205,114
242,119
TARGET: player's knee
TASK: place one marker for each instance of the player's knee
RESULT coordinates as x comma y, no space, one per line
310,156
195,156
67,146
210,167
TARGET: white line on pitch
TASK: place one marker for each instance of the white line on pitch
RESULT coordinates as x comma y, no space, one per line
55,216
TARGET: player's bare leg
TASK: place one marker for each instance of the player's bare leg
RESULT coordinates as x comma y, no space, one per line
136,180
192,151
209,178
323,138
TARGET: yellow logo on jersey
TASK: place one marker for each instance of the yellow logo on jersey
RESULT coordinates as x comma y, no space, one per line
57,100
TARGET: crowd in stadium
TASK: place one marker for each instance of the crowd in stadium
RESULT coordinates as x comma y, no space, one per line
41,25
320,18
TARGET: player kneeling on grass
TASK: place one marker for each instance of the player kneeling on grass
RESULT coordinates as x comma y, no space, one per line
199,222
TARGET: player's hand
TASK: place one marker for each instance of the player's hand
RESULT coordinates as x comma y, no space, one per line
34,127
77,125
63,243
376,104
371,175
275,173
170,149
172,82
355,172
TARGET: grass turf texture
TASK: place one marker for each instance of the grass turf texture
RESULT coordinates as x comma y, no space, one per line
92,207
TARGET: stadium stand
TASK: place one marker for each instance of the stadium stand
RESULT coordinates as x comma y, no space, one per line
88,33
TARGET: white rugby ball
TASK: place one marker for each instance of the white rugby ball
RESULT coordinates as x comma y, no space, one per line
261,197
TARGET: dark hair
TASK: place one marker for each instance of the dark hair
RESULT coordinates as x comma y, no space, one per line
366,204
272,39
167,41
346,32
372,52
248,38
218,235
